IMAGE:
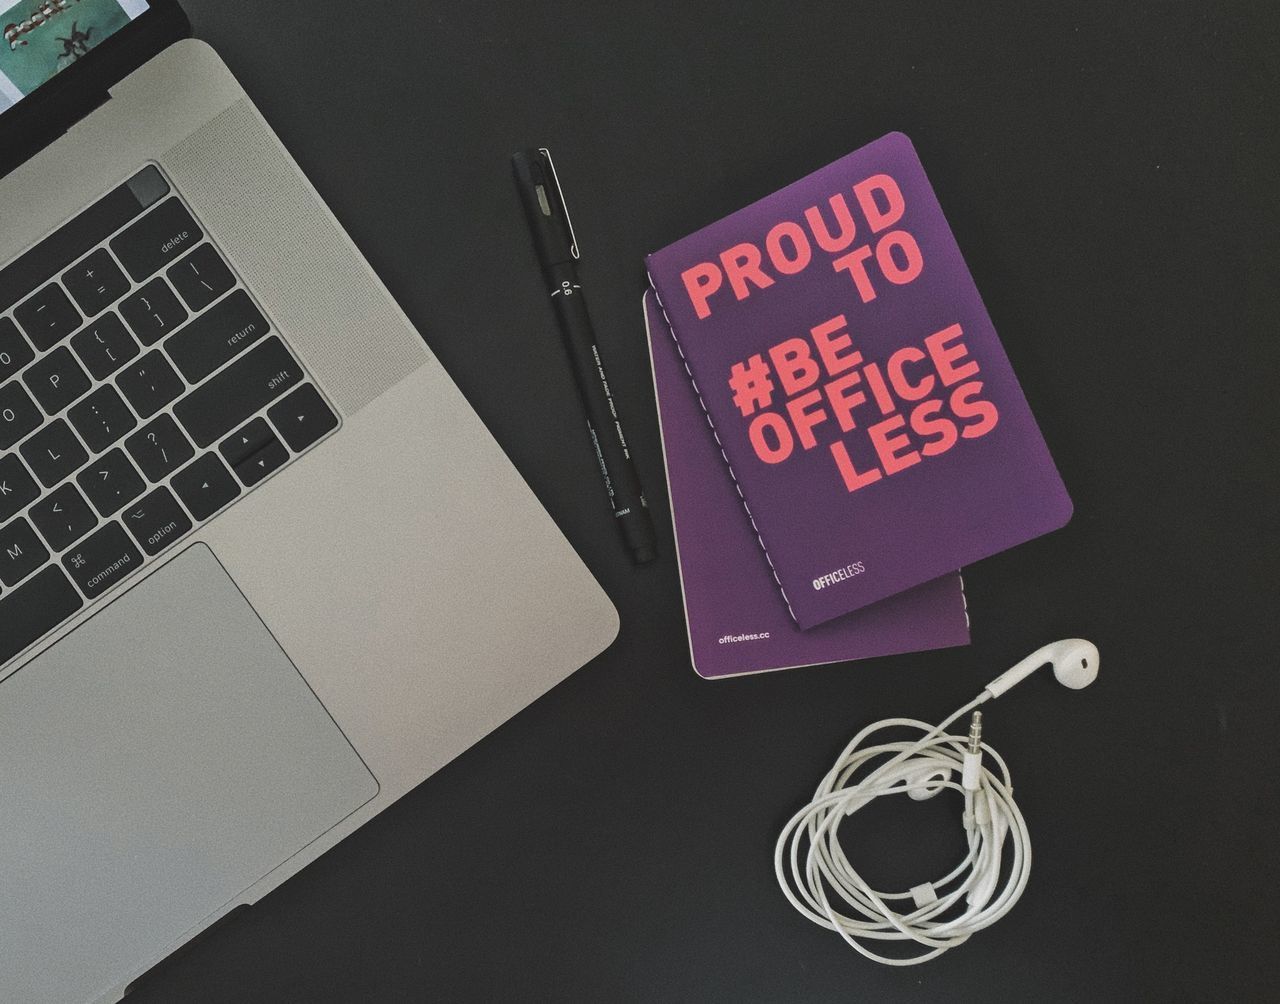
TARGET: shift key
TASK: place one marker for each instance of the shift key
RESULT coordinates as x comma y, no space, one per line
34,609
238,392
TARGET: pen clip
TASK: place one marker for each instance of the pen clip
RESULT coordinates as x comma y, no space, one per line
573,237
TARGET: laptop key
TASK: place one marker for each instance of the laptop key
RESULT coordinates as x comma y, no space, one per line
18,489
110,483
63,517
219,334
54,453
15,353
244,443
19,415
149,383
303,417
48,317
205,486
237,392
270,458
156,521
96,283
164,235
56,380
104,346
159,448
153,311
21,552
34,609
201,277
102,560
102,418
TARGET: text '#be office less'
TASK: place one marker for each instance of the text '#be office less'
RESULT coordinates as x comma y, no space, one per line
819,389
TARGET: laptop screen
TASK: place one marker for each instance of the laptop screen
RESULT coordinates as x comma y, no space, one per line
44,37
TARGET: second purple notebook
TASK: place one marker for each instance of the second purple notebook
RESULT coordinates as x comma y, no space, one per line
737,622
860,397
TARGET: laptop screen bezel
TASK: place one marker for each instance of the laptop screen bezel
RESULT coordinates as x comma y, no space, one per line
54,107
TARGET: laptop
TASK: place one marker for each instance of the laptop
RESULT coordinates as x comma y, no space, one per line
262,568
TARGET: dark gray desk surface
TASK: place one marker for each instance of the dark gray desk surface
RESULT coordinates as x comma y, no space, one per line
1110,172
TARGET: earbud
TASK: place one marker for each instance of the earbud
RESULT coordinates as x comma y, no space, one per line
1074,661
932,777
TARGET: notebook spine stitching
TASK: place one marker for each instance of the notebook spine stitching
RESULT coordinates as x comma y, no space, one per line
720,446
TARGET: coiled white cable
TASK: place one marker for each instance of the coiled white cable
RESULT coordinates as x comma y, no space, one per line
824,886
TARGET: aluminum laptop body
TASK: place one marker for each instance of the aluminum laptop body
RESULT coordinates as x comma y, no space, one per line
244,679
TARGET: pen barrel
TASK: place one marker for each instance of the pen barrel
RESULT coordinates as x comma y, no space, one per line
622,482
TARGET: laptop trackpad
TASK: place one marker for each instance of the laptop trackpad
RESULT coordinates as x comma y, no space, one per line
155,763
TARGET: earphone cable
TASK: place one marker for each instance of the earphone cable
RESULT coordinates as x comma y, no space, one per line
824,886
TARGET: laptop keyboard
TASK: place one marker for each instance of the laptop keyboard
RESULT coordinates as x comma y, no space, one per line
142,391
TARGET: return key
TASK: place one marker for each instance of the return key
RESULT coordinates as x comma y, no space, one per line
216,336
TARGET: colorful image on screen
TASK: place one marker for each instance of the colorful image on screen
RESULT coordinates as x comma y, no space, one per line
43,37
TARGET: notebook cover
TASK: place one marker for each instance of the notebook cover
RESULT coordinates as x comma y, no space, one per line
861,398
736,623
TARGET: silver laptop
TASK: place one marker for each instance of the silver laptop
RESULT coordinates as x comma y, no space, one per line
262,569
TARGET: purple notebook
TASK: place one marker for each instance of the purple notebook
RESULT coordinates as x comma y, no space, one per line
737,623
859,395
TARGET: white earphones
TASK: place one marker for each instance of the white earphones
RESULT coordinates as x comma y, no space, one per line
1074,661
817,877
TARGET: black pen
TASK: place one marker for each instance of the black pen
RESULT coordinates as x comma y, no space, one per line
557,247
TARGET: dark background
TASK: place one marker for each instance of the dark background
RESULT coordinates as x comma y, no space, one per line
1109,171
